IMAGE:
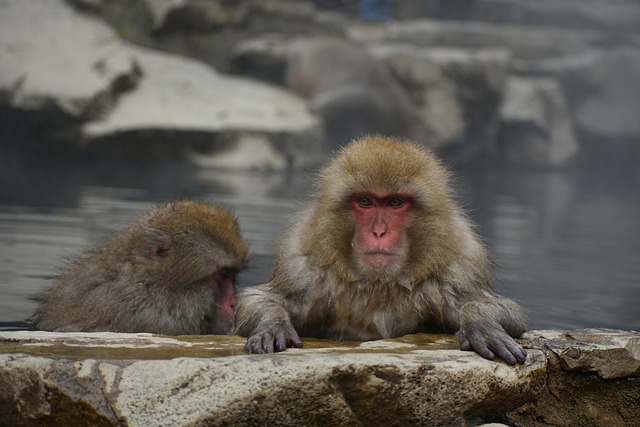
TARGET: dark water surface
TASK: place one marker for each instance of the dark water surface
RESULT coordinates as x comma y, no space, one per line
567,244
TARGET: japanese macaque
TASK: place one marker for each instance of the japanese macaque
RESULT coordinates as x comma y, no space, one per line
382,250
171,272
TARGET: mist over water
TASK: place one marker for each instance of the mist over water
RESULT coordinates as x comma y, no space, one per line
566,244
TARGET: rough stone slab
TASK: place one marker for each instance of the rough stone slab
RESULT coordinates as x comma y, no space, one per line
403,381
610,353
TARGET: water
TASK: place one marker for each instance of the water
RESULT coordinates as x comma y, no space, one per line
566,244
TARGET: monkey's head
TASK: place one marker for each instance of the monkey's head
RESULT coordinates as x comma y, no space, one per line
190,246
384,206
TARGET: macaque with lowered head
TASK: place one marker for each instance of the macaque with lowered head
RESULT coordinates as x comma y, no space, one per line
171,272
381,251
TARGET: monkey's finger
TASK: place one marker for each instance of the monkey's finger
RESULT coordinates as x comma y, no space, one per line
503,352
294,340
521,355
508,350
281,341
479,345
464,344
254,344
518,352
267,342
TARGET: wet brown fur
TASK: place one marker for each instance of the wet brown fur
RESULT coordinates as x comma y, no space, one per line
319,288
154,276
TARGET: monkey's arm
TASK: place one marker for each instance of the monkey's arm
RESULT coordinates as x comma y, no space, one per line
487,326
261,315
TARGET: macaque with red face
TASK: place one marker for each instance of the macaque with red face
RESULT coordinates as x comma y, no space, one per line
381,251
171,272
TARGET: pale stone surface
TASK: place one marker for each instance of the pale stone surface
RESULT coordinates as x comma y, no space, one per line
53,59
391,381
526,42
263,127
136,101
619,15
610,353
142,379
536,127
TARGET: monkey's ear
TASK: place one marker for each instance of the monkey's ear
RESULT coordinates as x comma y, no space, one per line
157,243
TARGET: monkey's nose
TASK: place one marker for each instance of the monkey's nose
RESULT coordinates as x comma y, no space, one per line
379,232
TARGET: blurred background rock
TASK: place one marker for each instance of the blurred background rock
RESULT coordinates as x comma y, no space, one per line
532,83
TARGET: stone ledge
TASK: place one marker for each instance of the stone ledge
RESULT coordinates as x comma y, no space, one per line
103,377
144,379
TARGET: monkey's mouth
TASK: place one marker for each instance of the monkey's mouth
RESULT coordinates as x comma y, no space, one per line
379,258
379,252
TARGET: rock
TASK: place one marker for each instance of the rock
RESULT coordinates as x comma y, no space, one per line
350,90
87,5
601,88
57,64
610,107
448,98
219,120
608,352
265,57
140,379
121,99
592,379
456,92
620,15
588,377
523,42
536,127
196,15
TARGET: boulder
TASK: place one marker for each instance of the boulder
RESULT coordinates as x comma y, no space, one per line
196,15
620,15
139,379
265,57
592,379
577,377
59,65
601,88
184,108
610,353
74,74
456,93
523,42
536,127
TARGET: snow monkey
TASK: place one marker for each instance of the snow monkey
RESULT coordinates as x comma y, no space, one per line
380,251
171,272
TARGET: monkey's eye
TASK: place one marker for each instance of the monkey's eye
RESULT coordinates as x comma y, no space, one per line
365,202
396,202
227,274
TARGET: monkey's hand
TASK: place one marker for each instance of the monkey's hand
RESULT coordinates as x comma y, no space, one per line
272,336
490,341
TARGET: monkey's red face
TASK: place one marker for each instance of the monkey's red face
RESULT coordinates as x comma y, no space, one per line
224,279
380,227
